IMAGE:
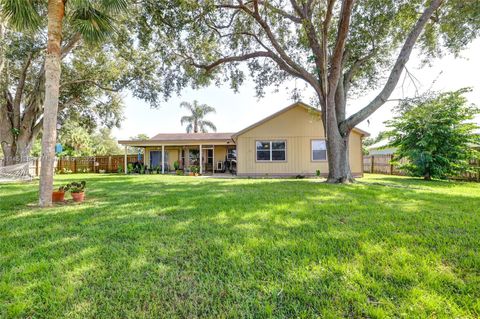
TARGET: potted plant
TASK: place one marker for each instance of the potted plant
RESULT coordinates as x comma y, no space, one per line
176,165
59,195
194,170
77,190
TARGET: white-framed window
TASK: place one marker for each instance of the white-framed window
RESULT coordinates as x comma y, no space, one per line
319,150
271,151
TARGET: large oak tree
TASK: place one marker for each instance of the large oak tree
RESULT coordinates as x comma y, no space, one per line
336,47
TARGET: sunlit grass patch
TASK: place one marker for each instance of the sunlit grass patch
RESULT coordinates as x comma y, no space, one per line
168,246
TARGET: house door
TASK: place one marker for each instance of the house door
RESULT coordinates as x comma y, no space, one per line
209,160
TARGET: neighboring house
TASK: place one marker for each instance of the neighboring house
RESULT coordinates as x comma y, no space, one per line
381,148
289,142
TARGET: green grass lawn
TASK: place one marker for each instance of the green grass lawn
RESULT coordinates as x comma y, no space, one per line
184,247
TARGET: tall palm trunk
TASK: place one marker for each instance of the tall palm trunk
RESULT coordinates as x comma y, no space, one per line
195,126
56,11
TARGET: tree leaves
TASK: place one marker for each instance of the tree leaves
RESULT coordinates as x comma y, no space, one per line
436,134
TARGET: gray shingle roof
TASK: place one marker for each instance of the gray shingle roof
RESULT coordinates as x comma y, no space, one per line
191,136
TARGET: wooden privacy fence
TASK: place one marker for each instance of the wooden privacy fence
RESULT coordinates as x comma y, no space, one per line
84,164
93,164
381,164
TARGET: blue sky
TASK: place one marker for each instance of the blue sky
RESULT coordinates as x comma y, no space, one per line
235,111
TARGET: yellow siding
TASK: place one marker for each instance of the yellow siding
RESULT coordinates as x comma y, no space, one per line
220,153
297,126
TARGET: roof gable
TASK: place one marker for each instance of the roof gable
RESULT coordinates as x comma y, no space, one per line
286,109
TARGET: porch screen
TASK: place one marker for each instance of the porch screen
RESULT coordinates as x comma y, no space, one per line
156,158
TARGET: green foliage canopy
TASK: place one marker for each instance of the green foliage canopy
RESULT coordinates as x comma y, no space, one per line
77,140
436,134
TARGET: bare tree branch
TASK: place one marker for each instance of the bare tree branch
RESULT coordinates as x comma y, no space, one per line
396,72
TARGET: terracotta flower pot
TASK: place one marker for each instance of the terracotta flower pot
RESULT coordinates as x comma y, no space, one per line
78,197
58,197
191,174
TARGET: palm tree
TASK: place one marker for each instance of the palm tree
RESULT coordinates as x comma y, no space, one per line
91,20
196,122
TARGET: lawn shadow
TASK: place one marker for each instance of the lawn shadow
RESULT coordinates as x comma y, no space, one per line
168,247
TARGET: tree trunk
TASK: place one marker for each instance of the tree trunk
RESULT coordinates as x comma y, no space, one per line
2,48
338,161
17,152
337,144
56,10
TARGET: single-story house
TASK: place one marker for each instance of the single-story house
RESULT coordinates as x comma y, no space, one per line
381,148
289,142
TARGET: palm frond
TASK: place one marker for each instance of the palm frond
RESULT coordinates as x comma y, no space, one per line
115,6
106,6
92,24
187,106
195,120
204,124
94,20
186,119
207,109
21,14
189,128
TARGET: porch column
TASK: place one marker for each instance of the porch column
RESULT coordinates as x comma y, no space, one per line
201,159
213,160
125,160
163,159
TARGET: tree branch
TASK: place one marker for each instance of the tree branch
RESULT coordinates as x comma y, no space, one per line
396,72
323,53
19,93
280,12
100,86
39,125
355,67
67,48
337,58
209,67
276,45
